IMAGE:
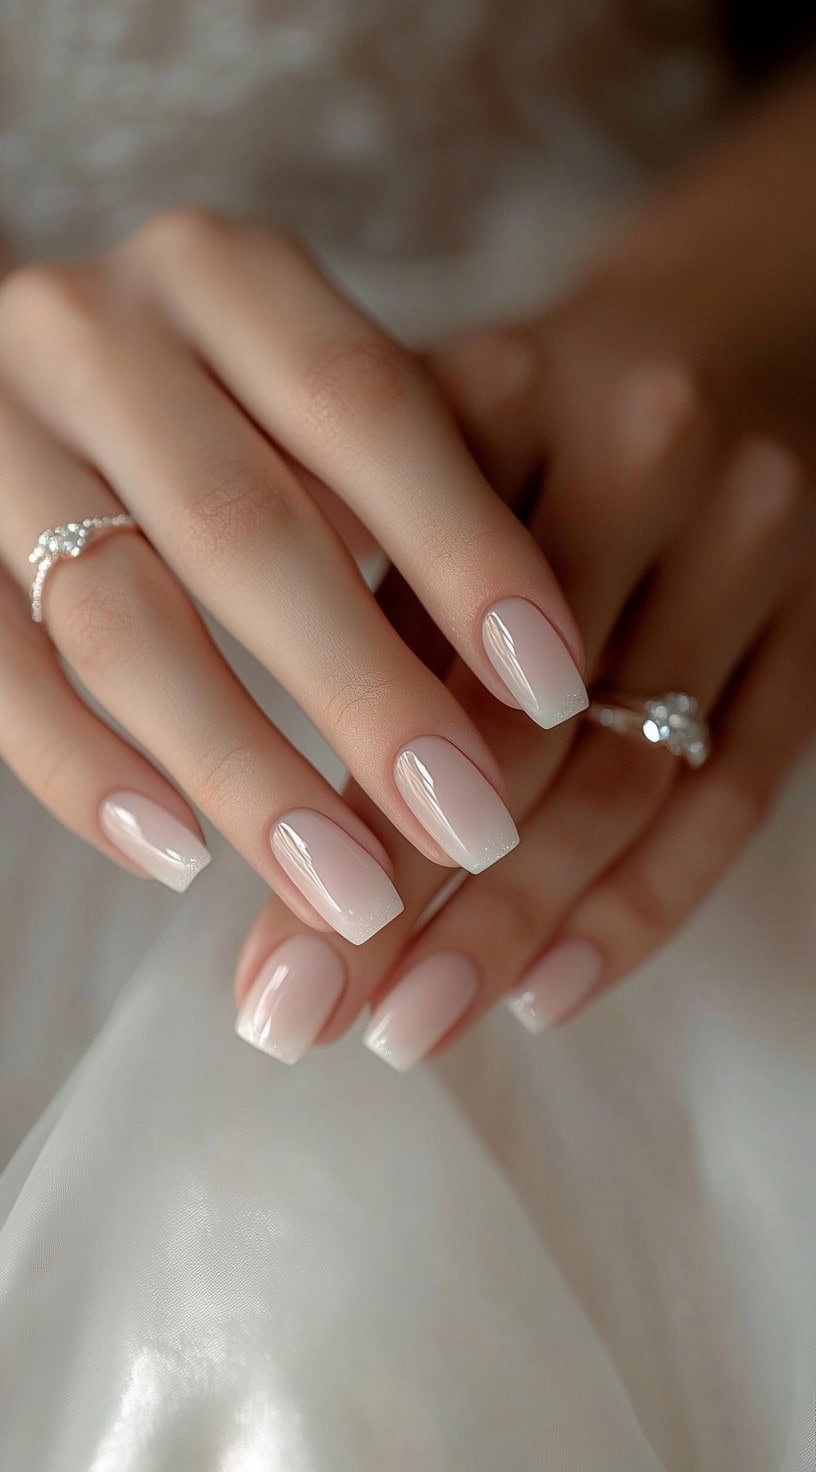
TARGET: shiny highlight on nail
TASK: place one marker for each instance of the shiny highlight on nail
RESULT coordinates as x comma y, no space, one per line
533,661
339,878
455,804
162,846
422,1008
292,998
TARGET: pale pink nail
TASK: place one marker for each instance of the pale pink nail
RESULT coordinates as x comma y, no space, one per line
557,984
421,1009
338,877
146,833
292,998
455,803
533,661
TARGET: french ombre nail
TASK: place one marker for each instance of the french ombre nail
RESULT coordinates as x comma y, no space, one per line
454,803
421,1009
162,847
292,998
339,878
558,983
533,661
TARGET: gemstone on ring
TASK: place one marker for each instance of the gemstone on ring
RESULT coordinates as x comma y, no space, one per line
671,721
62,541
67,540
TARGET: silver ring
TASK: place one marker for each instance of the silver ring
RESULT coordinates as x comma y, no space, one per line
58,542
670,721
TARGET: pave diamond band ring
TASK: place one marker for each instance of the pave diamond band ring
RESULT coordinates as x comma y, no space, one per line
671,721
58,542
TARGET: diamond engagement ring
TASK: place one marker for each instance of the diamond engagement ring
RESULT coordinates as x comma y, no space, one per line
67,541
670,721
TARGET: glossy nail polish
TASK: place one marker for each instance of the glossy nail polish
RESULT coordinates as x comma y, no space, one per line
556,984
421,1009
338,877
454,803
146,833
533,661
292,998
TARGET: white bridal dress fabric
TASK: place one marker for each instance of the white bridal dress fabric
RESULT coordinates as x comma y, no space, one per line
593,1250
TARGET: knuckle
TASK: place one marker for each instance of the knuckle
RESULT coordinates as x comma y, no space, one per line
181,236
359,698
640,909
768,484
237,507
223,774
349,385
60,301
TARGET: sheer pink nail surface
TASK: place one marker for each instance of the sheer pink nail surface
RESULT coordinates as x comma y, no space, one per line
533,661
421,1009
292,998
455,803
557,984
146,833
339,878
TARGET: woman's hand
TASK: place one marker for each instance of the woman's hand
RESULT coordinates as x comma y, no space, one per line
673,499
206,379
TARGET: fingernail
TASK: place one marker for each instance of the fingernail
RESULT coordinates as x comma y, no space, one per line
534,662
338,877
292,998
455,803
421,1009
146,833
557,984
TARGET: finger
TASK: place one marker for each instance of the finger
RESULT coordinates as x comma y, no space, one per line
361,414
227,512
492,382
87,776
635,455
611,788
652,890
109,613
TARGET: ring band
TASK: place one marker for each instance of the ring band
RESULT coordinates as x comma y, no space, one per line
670,721
58,542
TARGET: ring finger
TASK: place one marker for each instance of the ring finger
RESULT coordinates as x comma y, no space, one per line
707,604
125,626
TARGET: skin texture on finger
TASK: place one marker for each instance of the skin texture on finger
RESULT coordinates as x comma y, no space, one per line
75,765
227,512
109,613
360,413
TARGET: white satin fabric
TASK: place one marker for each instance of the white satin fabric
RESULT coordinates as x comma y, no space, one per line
591,1250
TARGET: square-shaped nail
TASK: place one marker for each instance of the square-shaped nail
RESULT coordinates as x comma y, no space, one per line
339,878
460,809
146,833
556,984
533,661
422,1008
292,998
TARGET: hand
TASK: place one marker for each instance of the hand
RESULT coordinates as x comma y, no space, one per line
207,379
686,547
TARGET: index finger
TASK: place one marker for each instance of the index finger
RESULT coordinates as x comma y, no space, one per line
360,412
